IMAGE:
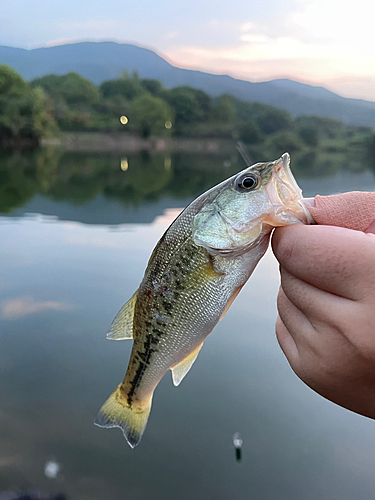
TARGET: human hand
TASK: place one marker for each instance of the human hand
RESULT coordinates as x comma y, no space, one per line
326,324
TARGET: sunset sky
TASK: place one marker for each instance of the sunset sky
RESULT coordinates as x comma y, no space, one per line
323,42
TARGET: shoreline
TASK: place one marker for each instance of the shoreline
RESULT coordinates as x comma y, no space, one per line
117,141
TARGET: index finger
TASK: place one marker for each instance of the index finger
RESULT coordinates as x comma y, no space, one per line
338,260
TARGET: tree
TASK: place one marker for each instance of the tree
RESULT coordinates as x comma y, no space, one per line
129,88
190,106
148,115
25,114
11,83
273,120
285,140
51,84
223,109
73,88
154,87
326,127
309,135
78,91
249,132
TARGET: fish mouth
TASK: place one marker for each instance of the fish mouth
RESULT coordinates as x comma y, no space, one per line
285,195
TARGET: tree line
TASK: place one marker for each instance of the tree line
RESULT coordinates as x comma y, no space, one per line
144,107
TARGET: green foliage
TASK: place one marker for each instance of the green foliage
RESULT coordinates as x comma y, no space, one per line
126,87
268,118
274,120
328,128
249,132
76,104
309,135
73,97
154,87
72,88
204,103
285,140
190,106
51,84
149,114
11,83
370,152
25,114
223,109
78,91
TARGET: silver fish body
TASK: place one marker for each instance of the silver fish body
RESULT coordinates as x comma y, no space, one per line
195,272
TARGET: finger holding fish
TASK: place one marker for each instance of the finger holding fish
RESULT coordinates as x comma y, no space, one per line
326,301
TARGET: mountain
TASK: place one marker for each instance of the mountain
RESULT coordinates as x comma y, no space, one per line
100,61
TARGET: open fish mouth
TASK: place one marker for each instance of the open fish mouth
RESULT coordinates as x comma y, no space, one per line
285,196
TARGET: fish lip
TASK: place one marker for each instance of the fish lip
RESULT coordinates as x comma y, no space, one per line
283,178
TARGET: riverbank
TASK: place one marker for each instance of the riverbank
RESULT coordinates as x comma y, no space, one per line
109,142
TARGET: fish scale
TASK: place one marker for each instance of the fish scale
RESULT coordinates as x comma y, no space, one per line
193,275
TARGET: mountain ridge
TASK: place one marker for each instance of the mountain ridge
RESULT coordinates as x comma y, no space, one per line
100,61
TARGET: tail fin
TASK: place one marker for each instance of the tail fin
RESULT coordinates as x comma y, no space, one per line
132,419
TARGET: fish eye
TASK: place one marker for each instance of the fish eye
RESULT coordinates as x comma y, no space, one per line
247,182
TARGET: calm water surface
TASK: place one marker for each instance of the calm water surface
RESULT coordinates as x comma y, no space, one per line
76,232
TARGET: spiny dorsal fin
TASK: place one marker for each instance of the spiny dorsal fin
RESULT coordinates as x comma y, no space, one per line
179,371
122,325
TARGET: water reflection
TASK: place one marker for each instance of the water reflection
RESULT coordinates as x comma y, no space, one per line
113,189
237,442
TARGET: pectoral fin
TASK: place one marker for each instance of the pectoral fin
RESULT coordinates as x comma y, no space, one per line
122,325
180,370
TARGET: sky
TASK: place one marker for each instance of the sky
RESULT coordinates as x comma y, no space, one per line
322,42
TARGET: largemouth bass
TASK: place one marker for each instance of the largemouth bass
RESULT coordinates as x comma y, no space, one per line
194,273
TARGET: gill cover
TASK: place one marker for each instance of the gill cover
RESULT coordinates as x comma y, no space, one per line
243,211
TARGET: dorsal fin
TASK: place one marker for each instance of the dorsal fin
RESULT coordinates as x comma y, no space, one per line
122,325
180,370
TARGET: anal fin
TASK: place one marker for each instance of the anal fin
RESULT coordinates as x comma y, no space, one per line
180,370
122,325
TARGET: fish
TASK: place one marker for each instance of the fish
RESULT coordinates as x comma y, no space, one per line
195,272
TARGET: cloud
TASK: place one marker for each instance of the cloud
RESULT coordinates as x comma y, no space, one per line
23,306
361,87
322,42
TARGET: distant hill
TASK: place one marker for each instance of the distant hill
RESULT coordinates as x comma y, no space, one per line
100,61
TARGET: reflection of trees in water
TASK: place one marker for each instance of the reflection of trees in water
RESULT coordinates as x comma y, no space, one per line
18,180
79,177
370,154
313,164
324,164
318,163
145,177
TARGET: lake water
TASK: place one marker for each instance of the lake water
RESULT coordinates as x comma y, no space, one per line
76,232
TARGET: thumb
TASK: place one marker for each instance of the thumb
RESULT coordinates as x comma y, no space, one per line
354,210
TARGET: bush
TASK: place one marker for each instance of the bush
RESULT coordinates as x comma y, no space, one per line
285,141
